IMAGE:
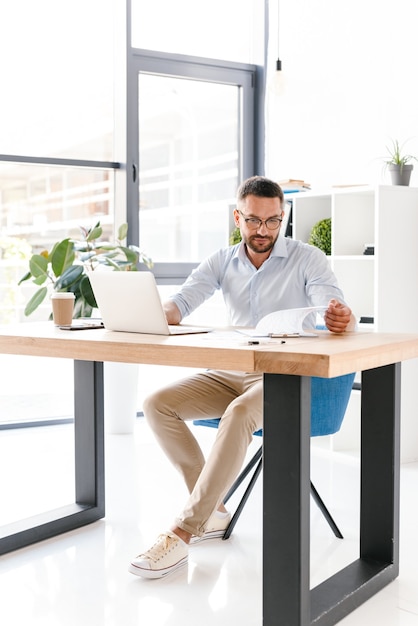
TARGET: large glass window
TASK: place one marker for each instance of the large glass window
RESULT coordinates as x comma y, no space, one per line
216,29
40,205
191,140
56,78
56,129
189,165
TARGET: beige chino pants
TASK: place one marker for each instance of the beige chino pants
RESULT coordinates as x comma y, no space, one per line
237,398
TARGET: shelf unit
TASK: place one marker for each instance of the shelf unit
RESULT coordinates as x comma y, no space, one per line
383,285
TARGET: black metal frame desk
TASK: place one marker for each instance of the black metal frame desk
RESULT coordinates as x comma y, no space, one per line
287,598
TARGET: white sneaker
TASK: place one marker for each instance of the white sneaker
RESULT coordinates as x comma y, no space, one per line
167,555
217,525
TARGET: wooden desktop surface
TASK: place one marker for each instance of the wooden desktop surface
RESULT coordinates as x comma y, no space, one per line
326,355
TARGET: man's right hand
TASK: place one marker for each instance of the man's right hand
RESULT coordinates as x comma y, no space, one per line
172,312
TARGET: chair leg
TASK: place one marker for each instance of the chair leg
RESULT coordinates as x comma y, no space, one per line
325,512
244,499
257,458
247,469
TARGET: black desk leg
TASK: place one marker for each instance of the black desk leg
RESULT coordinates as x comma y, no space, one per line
380,467
89,436
286,597
89,468
286,485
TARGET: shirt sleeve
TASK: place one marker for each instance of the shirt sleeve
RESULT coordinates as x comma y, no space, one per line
200,285
321,282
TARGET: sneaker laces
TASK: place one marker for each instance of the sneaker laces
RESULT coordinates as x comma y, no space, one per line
160,547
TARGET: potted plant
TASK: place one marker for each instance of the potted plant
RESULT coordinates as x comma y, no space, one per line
65,267
235,236
399,163
320,235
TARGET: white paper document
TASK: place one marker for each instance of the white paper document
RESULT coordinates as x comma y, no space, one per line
288,322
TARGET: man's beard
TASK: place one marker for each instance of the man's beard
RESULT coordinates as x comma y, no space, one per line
260,244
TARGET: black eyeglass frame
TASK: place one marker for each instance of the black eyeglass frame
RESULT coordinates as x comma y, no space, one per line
254,223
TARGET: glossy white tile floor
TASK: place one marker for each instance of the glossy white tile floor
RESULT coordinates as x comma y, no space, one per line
81,578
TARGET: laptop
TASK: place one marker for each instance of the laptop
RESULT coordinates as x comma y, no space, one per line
130,302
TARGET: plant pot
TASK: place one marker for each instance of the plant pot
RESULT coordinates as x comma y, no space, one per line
401,174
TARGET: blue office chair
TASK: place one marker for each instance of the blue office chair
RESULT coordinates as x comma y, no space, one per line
329,400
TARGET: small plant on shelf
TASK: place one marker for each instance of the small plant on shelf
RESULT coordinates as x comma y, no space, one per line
397,156
66,266
398,162
235,236
320,235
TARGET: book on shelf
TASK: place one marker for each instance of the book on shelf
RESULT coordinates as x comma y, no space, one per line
344,186
291,185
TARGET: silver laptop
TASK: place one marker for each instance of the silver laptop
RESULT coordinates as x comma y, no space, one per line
130,302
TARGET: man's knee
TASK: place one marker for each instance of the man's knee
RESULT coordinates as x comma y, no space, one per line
152,405
160,404
240,418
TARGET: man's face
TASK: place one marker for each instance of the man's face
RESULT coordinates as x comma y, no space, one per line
259,237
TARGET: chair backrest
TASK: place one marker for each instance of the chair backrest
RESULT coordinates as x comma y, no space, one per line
329,400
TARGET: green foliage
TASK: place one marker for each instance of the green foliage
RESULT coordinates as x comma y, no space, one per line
320,235
235,236
396,155
66,267
14,248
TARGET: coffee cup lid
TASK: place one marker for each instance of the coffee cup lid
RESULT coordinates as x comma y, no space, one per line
64,295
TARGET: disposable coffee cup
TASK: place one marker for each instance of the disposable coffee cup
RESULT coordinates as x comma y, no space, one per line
62,308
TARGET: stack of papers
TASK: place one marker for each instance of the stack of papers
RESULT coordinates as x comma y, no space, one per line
287,323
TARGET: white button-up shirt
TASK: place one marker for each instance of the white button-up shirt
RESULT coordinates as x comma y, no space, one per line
294,275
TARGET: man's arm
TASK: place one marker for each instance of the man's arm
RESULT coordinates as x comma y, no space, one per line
172,312
339,317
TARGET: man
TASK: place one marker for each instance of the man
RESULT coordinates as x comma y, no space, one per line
262,274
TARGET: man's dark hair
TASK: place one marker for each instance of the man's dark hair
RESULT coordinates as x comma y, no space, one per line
259,186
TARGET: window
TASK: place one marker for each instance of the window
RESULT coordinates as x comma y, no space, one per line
193,141
56,78
56,125
189,155
58,167
216,29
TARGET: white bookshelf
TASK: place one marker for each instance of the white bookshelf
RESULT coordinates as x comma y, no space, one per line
382,286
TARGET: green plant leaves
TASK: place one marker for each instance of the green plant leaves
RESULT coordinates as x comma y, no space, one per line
396,155
25,277
38,266
87,292
95,233
82,309
69,278
66,267
122,232
36,300
235,236
320,235
62,256
131,254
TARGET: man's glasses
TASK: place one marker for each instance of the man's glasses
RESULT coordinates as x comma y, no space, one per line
254,223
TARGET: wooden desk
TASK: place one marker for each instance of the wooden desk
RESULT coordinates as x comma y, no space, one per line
287,368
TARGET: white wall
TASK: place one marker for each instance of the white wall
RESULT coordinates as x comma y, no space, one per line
348,85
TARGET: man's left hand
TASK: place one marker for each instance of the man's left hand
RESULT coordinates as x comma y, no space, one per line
338,317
